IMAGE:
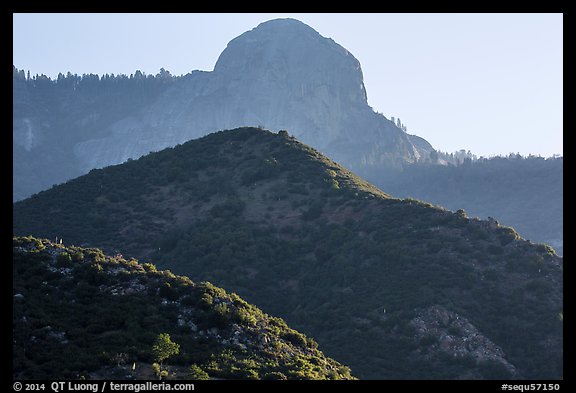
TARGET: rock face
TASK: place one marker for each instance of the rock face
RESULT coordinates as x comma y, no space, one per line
445,332
287,68
280,75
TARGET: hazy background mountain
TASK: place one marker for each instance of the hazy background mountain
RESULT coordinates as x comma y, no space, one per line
395,289
280,75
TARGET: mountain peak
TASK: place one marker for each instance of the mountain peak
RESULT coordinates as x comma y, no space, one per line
295,56
284,23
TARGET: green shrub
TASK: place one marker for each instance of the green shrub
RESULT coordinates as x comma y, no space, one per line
169,293
78,256
64,260
148,267
157,369
164,348
244,316
294,337
196,373
311,343
506,235
546,249
222,309
275,375
206,300
250,374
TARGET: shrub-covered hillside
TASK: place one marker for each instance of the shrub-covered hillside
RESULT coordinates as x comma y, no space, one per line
525,193
393,288
81,314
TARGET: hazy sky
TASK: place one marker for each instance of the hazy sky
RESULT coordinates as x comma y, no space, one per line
489,83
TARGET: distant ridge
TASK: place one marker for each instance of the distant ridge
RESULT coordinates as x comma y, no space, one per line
280,75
